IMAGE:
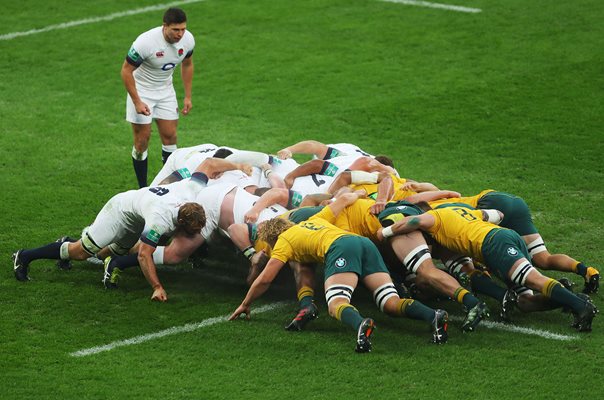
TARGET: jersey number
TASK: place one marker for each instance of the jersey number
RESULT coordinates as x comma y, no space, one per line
316,180
160,191
465,214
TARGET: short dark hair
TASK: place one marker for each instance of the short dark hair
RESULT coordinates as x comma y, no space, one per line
174,15
384,160
222,153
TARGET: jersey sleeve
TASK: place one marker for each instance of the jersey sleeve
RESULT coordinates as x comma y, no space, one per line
155,227
326,214
138,52
282,251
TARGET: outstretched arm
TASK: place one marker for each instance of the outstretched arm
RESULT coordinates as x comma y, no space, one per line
260,285
272,196
145,259
432,195
304,147
406,225
308,168
212,167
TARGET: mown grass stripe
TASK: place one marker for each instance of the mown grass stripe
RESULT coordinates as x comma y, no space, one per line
167,332
92,20
428,4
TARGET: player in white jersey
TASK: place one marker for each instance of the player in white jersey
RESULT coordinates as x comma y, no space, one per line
147,75
225,204
144,214
183,162
321,151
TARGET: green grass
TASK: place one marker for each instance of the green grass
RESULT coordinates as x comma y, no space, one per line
510,99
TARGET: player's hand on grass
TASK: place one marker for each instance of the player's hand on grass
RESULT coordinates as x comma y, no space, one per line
159,294
242,309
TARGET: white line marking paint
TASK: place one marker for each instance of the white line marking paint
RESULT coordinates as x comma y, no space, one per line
167,332
428,4
92,20
519,329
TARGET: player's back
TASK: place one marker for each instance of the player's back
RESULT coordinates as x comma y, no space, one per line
461,229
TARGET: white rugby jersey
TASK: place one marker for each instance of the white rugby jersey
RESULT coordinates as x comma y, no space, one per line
347,149
319,183
158,207
185,161
244,201
211,199
156,58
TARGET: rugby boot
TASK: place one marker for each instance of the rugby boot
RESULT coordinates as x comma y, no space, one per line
592,281
304,316
440,325
111,274
474,316
582,320
21,269
364,336
510,300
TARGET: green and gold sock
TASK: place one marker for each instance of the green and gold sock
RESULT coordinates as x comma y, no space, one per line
348,315
305,296
415,310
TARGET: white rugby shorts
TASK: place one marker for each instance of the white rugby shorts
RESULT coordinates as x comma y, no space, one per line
162,103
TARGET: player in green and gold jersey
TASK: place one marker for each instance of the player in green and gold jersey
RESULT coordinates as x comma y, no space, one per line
348,258
502,250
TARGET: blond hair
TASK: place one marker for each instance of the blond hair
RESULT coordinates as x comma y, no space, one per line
191,218
270,230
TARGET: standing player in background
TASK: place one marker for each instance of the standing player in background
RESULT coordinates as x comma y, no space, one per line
147,75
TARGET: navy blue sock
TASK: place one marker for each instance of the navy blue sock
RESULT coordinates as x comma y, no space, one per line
127,261
164,155
140,169
49,252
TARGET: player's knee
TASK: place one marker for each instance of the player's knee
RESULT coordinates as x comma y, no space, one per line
386,297
337,294
75,251
418,257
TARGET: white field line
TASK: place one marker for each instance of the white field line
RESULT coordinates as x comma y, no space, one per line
92,20
167,332
428,4
519,329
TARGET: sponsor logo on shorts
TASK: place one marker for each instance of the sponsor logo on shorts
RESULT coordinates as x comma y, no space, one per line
512,251
153,236
340,262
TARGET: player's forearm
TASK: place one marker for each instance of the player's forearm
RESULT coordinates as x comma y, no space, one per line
432,196
308,147
256,290
273,196
130,83
147,265
308,168
186,73
385,190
